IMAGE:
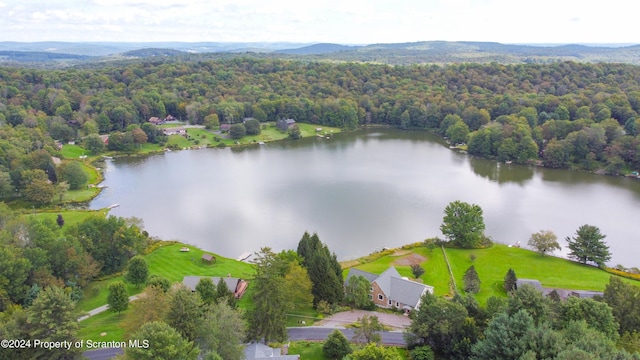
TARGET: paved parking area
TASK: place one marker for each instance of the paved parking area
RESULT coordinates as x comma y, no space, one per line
342,319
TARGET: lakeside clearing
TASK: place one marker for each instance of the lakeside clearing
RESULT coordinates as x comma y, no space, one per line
491,264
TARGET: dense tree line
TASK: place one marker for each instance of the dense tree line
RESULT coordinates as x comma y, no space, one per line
36,253
529,325
561,114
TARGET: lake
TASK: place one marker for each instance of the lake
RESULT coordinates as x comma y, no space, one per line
360,192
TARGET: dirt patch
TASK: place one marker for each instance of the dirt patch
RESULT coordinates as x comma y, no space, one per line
410,259
342,319
400,252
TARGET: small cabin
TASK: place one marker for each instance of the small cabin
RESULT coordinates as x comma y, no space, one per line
208,258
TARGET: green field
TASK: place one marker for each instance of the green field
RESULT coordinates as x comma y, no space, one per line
106,322
492,265
73,151
168,261
71,217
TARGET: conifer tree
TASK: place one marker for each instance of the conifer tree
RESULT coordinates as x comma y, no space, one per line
510,281
323,268
471,280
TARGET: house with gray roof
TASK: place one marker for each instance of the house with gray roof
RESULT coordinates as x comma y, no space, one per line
258,351
390,290
237,286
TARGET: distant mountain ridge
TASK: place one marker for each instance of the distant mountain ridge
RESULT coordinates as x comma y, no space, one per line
421,52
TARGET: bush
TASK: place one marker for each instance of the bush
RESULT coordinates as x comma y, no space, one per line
422,353
336,346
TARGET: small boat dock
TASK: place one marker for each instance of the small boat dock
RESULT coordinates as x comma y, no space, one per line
244,256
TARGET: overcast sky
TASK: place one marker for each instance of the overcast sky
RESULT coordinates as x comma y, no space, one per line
338,21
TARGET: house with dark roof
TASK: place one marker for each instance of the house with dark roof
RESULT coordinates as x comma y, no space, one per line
237,286
390,290
258,351
562,293
285,124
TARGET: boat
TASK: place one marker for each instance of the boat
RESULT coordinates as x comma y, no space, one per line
112,206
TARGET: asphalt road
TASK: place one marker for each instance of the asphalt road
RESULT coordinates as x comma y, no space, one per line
296,333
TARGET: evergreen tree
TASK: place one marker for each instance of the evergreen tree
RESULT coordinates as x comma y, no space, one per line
138,271
510,281
267,320
471,280
184,312
118,298
52,317
323,268
416,270
222,331
589,246
336,346
223,293
206,290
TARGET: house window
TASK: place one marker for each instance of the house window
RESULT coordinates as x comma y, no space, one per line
380,297
371,289
397,304
389,301
370,297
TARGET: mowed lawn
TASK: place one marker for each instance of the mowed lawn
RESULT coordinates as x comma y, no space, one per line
436,273
493,263
71,217
168,261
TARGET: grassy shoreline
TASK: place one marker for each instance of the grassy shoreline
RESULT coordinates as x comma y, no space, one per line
491,264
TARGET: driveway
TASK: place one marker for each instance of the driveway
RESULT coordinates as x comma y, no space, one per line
340,320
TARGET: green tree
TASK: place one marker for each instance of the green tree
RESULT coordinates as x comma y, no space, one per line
422,353
374,352
39,191
589,246
323,268
441,324
223,293
152,305
137,271
237,131
252,126
164,343
624,300
93,143
417,270
544,241
336,346
510,281
52,317
15,269
267,320
222,331
367,330
596,314
118,298
184,312
463,224
298,286
506,337
73,173
357,291
531,300
207,290
294,132
471,280
159,282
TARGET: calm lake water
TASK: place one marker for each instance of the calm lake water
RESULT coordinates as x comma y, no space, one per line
360,192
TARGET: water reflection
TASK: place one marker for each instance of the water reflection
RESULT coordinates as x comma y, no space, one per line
500,172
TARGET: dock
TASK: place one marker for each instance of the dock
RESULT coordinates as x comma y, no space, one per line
112,206
244,256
